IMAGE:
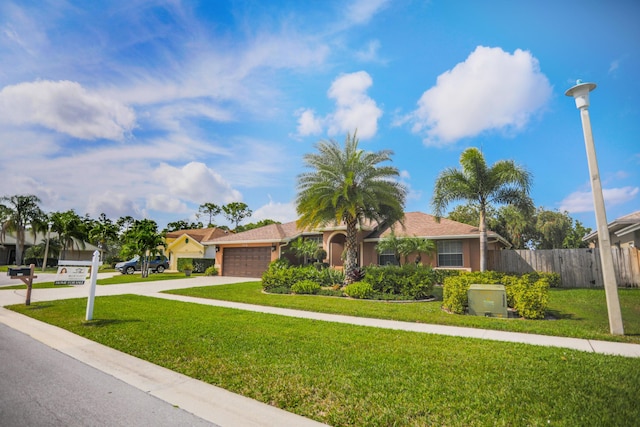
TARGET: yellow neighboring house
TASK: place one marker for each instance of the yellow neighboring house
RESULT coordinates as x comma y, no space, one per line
191,244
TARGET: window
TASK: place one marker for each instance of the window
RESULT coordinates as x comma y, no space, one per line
387,258
450,253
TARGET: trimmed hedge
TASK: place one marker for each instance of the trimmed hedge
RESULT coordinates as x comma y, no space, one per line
360,290
527,294
200,265
305,287
410,281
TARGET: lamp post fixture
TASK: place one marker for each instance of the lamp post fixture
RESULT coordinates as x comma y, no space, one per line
580,92
46,247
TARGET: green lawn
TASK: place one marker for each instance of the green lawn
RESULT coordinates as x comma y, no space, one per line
115,280
347,375
579,313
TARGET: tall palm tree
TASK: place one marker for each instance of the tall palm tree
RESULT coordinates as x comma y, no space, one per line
143,240
17,213
71,230
347,185
503,183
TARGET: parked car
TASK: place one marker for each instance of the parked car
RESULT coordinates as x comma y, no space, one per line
158,264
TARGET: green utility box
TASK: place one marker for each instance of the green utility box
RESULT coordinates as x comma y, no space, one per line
487,300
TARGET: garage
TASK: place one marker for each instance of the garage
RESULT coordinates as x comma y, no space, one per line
245,262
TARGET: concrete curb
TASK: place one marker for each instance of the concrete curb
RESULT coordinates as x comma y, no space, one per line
208,402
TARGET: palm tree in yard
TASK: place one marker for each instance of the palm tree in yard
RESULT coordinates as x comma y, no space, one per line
503,183
348,185
16,214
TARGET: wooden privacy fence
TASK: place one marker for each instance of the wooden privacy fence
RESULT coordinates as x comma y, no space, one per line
579,268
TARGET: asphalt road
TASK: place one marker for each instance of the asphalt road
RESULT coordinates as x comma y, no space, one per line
40,386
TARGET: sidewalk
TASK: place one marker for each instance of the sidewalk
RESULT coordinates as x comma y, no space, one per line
212,403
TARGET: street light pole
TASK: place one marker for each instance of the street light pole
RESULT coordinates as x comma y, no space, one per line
46,248
580,92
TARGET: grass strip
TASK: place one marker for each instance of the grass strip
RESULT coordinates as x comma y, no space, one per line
347,375
577,313
115,280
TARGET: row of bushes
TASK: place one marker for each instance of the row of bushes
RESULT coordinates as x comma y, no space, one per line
200,265
410,281
527,294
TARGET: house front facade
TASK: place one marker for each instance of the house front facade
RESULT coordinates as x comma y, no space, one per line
190,244
249,253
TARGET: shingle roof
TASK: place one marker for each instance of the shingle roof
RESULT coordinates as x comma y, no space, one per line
268,233
420,224
415,224
617,224
199,234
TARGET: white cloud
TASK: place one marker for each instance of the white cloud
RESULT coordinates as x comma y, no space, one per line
282,212
361,11
113,205
308,123
164,203
355,110
370,53
196,182
65,107
491,90
582,201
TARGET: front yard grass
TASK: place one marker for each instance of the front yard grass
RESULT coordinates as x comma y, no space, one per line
578,313
347,375
115,280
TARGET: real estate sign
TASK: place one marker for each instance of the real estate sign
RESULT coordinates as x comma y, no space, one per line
71,275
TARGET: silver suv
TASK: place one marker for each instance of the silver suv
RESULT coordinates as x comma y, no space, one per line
158,264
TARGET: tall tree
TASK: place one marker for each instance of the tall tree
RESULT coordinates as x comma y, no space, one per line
71,230
103,233
503,183
236,212
209,209
17,213
181,224
348,185
144,240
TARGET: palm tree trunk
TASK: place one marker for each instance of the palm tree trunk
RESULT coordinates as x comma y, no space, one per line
483,240
351,263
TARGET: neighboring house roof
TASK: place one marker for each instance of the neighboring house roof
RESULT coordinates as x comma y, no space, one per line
415,224
620,226
267,234
198,234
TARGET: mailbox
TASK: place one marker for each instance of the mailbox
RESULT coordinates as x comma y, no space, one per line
24,271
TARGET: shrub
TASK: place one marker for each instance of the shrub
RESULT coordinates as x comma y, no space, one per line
211,271
531,297
330,277
305,287
410,281
440,274
279,274
198,265
360,290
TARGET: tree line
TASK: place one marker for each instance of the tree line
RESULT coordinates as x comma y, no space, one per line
118,239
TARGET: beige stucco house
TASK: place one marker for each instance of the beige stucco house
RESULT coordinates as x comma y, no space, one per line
249,253
191,244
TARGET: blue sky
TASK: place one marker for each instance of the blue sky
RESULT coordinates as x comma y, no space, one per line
150,108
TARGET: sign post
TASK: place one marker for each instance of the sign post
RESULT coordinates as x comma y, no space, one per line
94,263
